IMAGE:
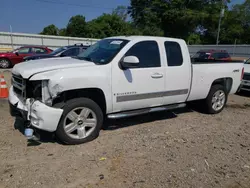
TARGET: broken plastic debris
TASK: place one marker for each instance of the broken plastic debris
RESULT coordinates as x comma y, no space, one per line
102,159
246,166
192,169
101,176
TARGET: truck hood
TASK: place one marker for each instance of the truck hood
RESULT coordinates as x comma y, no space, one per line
247,68
29,68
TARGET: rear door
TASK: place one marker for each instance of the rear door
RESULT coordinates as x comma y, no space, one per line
177,71
139,87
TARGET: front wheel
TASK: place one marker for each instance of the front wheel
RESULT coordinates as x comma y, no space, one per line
81,121
216,99
5,63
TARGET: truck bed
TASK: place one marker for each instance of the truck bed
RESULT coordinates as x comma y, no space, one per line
205,72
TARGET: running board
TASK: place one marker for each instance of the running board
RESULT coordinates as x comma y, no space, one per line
145,111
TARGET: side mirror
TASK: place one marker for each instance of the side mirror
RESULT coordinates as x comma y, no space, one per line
17,53
129,62
62,55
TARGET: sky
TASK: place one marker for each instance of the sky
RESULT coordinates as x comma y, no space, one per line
31,16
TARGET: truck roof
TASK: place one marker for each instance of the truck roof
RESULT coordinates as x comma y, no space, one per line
135,37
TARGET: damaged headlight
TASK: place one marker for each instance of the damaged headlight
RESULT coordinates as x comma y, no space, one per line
34,89
39,90
55,90
46,96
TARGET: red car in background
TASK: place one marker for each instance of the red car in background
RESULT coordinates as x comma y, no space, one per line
9,59
213,55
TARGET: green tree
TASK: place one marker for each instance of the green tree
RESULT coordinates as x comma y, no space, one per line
194,38
122,12
109,25
62,32
50,30
236,25
77,27
145,17
176,18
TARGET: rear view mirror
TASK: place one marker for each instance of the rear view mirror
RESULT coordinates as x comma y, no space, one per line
17,53
130,62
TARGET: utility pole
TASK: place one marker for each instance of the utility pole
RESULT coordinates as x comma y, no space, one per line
221,15
11,37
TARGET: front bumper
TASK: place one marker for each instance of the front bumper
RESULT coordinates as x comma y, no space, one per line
245,85
40,115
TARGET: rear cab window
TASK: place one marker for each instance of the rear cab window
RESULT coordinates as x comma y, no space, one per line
173,53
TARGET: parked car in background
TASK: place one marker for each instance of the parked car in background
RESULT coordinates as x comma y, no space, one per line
9,59
213,55
245,84
66,51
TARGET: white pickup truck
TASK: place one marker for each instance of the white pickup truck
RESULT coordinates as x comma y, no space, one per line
116,77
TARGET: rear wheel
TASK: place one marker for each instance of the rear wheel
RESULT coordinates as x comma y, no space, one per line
216,99
5,63
81,121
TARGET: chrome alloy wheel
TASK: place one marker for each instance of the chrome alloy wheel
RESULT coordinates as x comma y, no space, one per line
80,123
218,100
4,63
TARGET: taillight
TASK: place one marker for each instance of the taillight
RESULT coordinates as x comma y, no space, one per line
242,73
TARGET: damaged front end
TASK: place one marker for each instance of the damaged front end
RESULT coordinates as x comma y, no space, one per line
32,100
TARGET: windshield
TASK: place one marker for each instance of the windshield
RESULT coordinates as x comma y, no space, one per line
201,55
58,50
103,51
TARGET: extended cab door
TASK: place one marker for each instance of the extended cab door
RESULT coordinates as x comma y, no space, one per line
178,72
139,87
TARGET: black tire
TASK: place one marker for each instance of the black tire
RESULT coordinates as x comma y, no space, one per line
75,103
208,101
5,63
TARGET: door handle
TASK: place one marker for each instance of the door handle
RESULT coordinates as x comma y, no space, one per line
156,75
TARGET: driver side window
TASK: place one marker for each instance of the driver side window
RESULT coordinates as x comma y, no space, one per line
147,52
24,51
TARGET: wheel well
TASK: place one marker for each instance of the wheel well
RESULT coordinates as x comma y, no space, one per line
94,94
5,58
226,82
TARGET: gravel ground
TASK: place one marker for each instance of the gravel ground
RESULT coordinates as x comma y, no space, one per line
181,149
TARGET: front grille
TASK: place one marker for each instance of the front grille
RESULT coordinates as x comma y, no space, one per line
246,77
19,85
